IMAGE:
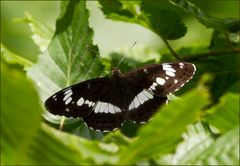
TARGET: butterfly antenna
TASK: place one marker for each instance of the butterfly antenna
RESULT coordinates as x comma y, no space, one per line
125,54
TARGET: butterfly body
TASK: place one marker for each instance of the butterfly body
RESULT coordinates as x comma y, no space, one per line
105,103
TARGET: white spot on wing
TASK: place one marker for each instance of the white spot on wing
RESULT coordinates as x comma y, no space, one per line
146,93
145,70
96,110
67,95
166,66
68,100
175,81
68,91
111,109
160,81
80,101
169,73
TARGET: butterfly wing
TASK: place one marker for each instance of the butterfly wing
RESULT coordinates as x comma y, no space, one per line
144,105
77,100
162,79
98,101
156,82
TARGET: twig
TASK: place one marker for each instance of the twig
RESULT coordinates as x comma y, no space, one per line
171,50
209,54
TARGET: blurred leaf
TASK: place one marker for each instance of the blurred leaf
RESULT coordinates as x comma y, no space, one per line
161,135
127,11
225,115
54,147
219,41
204,18
163,21
196,136
70,57
223,151
20,115
41,33
12,58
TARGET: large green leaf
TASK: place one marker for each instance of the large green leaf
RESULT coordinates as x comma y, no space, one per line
161,135
225,115
20,114
71,56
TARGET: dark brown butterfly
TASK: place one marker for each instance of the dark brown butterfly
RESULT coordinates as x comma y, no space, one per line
105,103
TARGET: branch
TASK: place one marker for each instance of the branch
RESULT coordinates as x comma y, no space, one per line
171,50
209,54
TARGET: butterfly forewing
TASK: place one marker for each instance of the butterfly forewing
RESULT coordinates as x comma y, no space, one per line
162,79
77,100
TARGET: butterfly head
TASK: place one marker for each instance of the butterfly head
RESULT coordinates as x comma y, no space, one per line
116,72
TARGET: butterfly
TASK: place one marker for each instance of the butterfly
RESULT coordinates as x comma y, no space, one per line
105,103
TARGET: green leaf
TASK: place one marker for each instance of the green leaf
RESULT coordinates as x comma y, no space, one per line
225,115
161,135
54,147
13,58
69,58
223,151
20,115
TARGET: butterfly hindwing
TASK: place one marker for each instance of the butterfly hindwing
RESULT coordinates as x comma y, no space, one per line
144,105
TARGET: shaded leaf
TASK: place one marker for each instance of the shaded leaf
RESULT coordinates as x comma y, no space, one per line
163,21
204,18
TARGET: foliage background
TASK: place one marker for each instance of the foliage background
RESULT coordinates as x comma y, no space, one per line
203,130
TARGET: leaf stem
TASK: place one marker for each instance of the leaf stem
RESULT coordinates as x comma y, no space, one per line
209,54
61,123
171,50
